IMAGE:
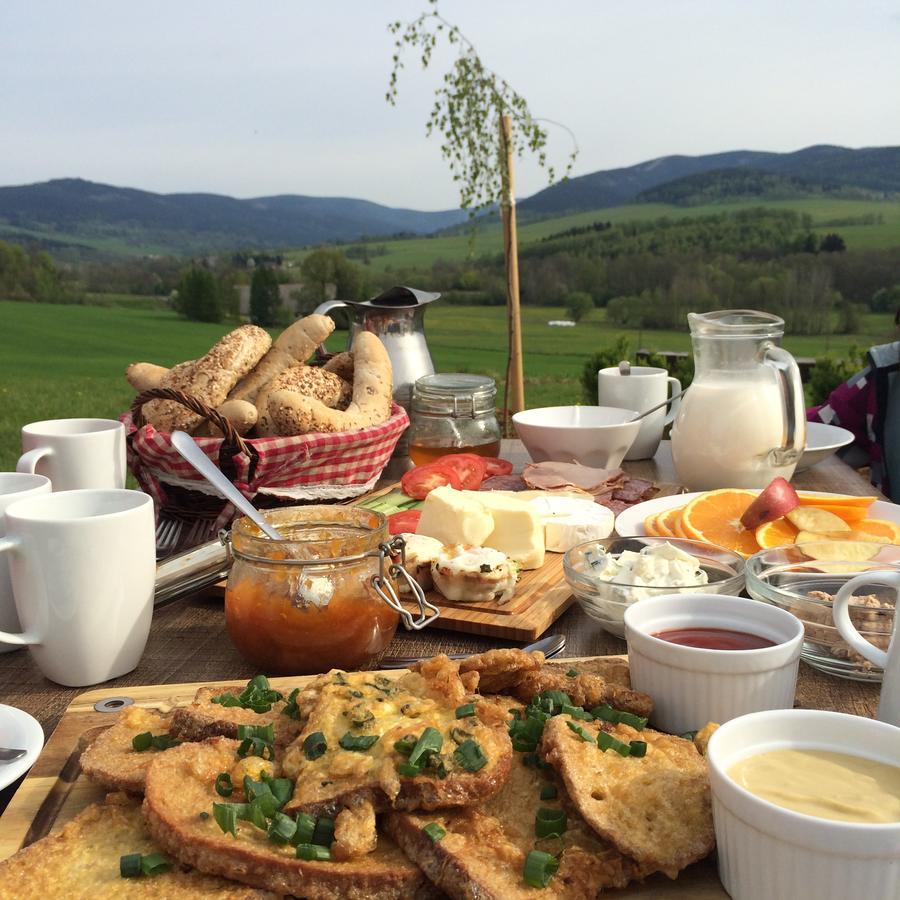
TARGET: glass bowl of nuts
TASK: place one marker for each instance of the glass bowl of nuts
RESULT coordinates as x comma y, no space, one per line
805,585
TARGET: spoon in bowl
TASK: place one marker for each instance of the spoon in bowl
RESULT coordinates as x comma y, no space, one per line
665,402
186,446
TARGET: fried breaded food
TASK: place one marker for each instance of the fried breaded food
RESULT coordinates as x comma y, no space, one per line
655,809
361,717
584,690
81,862
111,761
611,668
181,786
499,669
701,738
482,854
203,718
354,831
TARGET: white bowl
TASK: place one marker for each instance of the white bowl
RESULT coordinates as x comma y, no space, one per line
821,441
766,851
691,686
597,436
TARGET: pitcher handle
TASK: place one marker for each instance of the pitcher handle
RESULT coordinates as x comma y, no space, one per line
20,640
842,615
675,386
324,308
794,410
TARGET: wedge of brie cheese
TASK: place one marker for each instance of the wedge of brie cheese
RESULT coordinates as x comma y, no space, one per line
568,521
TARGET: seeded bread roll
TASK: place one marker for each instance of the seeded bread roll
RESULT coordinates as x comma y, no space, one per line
342,365
294,413
210,378
145,376
310,381
294,345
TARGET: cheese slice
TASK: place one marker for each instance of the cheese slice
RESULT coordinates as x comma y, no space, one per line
570,521
454,517
518,531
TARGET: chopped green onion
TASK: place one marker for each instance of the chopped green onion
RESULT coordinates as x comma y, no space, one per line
638,748
130,865
313,852
576,712
525,734
262,732
539,868
552,701
282,829
290,708
226,700
606,742
358,742
323,834
281,788
257,695
164,742
550,822
405,745
581,732
154,864
618,716
256,813
688,735
466,710
227,815
141,742
409,770
224,787
469,756
434,831
572,673
429,742
306,826
314,745
549,792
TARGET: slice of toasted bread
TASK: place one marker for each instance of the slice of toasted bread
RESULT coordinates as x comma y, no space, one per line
181,786
613,669
500,669
482,855
110,759
360,704
655,809
81,862
203,718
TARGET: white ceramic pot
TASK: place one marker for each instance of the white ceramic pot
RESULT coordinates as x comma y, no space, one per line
767,852
691,686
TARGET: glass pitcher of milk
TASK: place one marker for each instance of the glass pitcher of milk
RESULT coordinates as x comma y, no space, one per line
742,421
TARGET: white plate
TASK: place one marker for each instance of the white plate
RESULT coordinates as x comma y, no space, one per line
18,730
631,522
821,441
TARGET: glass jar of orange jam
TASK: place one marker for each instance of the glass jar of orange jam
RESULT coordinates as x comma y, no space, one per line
325,597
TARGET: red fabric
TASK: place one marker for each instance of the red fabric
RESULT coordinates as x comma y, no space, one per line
346,462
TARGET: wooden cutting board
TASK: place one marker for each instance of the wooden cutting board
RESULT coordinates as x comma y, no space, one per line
55,790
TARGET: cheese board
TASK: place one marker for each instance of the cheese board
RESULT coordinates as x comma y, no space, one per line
56,790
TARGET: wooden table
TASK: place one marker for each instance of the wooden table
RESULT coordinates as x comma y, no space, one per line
188,641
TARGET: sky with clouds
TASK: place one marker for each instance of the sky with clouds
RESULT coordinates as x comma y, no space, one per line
287,96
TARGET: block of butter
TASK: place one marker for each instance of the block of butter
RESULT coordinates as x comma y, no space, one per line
518,528
453,517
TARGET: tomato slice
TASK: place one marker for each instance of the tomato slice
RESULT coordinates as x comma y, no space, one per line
420,481
497,466
406,520
468,466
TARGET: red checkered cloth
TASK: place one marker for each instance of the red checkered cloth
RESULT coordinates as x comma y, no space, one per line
303,467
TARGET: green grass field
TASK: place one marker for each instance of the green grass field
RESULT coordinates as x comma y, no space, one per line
422,252
61,361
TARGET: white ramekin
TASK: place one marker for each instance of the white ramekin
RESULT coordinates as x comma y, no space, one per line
767,852
691,686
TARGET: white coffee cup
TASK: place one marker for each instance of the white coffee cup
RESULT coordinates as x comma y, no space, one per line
13,486
83,566
889,704
75,453
644,388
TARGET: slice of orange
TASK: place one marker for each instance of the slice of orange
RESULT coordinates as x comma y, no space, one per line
669,521
675,524
776,534
715,517
807,499
880,527
651,527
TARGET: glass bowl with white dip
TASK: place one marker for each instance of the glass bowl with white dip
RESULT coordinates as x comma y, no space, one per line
607,576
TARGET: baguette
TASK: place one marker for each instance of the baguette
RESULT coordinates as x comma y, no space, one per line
145,376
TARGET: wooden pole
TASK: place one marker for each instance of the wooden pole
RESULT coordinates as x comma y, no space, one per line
514,392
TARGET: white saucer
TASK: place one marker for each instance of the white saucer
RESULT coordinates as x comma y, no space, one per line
18,730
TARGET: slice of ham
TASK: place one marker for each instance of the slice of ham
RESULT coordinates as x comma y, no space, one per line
551,476
504,483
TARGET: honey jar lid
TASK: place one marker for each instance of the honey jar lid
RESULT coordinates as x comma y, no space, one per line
454,394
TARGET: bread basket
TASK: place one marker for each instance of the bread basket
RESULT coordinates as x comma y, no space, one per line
272,471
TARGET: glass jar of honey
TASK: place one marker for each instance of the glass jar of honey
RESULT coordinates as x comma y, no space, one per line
323,598
453,413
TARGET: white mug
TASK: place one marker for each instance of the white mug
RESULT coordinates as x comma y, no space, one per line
75,453
13,486
889,660
644,388
83,566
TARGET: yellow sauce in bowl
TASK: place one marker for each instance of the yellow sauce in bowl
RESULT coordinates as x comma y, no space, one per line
823,784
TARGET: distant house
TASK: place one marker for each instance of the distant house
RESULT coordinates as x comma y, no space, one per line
562,323
288,301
